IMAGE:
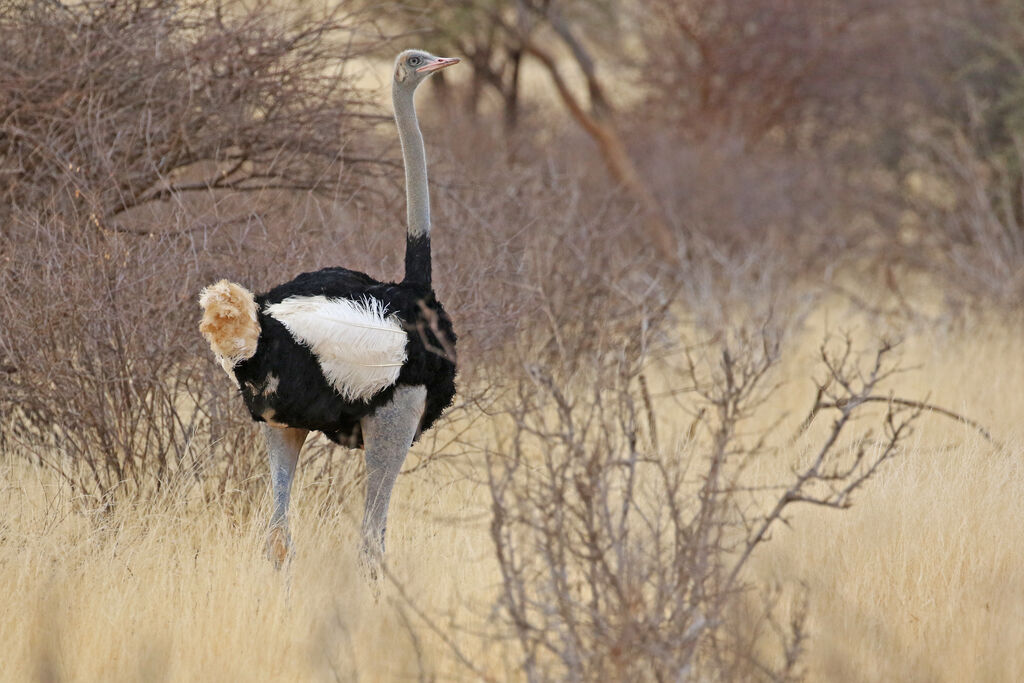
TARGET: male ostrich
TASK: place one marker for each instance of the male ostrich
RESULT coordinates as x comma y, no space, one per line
370,364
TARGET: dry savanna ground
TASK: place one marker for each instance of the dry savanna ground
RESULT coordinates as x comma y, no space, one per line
920,580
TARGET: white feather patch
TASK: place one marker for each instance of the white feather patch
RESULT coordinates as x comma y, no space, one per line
360,347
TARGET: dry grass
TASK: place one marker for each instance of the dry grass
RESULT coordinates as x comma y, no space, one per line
176,592
920,580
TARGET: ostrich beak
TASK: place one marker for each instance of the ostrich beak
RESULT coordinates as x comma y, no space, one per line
438,64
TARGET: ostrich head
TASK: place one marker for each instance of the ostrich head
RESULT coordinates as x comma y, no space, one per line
412,67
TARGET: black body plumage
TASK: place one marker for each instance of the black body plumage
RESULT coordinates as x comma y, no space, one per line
284,384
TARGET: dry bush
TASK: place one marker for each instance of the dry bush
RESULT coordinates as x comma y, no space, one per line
526,242
106,386
147,148
976,231
623,542
765,67
107,380
770,128
965,181
801,215
109,105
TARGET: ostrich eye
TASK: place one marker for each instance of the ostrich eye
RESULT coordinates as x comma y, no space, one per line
414,61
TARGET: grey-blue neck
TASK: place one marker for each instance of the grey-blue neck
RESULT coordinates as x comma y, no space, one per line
417,192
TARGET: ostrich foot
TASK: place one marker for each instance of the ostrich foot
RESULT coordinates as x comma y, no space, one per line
279,545
370,560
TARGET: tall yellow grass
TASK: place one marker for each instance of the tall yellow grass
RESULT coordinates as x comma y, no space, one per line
921,580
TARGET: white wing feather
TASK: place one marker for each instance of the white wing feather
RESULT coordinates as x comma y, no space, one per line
359,346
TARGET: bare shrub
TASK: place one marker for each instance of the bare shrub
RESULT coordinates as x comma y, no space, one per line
980,240
965,181
109,105
623,547
104,389
529,245
146,147
768,68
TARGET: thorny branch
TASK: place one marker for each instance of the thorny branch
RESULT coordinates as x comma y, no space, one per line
620,560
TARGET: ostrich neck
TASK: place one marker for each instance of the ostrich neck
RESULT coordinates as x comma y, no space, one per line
417,194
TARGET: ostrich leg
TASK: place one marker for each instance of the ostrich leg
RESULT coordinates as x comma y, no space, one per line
283,446
387,433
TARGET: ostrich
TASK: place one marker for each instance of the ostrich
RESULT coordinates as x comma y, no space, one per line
370,364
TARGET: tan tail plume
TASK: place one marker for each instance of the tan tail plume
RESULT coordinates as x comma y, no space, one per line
229,322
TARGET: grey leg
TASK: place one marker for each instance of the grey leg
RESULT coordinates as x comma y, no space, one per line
387,435
283,446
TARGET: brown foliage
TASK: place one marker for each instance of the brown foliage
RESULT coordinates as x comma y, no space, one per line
104,389
965,175
109,105
764,66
